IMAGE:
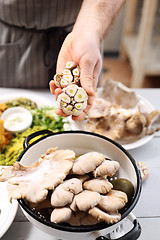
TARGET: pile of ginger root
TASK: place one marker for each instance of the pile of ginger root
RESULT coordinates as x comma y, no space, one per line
74,190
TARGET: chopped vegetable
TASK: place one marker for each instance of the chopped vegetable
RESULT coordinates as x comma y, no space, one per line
22,102
43,118
3,107
4,135
47,119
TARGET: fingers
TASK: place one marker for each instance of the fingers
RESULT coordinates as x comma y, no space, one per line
79,117
52,86
59,112
64,55
89,104
60,64
96,73
57,92
86,76
54,90
89,74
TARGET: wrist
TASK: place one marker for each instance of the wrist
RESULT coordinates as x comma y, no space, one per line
96,16
88,24
87,32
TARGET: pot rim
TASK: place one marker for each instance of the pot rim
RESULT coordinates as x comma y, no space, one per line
98,226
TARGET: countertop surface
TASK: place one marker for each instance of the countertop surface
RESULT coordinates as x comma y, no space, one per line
147,209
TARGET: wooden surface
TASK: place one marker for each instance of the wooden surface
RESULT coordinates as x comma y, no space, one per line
147,209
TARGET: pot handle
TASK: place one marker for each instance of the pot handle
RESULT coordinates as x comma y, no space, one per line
35,134
133,234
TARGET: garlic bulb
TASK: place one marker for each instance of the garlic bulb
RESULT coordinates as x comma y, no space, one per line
70,75
73,99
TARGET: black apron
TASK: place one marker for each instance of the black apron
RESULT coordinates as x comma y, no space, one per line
31,35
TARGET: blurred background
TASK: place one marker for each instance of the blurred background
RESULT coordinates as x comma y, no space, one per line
132,46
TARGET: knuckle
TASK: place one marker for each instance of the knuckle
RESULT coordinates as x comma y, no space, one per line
88,78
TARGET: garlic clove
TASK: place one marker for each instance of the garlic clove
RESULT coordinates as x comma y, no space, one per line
57,79
67,72
64,97
64,83
81,95
68,78
70,65
69,107
80,106
76,72
71,90
62,104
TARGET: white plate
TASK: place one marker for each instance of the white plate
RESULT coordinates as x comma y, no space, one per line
8,210
40,101
145,106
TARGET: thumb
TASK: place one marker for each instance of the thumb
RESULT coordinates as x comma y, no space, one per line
86,77
63,58
61,62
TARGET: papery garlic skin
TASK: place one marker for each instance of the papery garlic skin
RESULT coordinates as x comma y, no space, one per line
73,100
57,79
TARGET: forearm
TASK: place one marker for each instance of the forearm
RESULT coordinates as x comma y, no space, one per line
96,16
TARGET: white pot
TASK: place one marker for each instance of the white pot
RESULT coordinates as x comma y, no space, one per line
82,142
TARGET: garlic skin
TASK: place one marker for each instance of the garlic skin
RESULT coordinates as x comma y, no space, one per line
72,100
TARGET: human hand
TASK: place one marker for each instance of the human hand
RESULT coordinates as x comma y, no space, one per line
83,49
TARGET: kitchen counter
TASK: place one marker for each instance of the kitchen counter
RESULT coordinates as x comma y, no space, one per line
147,209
